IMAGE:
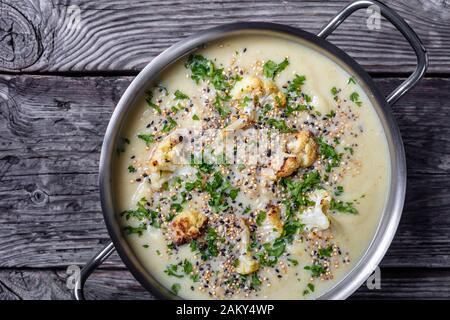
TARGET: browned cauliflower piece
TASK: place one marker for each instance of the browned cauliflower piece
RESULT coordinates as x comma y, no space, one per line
301,152
248,95
246,264
187,226
250,85
272,226
165,158
273,93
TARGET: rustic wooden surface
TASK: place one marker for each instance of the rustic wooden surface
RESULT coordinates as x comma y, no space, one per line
59,85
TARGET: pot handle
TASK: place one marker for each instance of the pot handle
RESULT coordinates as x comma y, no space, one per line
87,270
402,26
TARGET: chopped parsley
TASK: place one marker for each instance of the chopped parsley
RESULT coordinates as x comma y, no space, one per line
310,289
354,97
339,190
279,125
255,280
296,84
293,261
218,189
187,267
176,207
290,229
141,213
269,256
267,107
349,149
175,288
204,69
260,218
316,270
351,80
298,189
201,68
335,92
329,153
139,230
195,117
147,138
169,125
198,183
325,252
331,114
131,169
291,109
150,103
172,271
211,249
271,69
180,95
219,105
193,245
344,207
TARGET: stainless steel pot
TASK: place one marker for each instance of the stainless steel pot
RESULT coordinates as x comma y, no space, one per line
393,210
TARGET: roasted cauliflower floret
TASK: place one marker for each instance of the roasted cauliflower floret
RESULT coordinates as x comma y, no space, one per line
273,93
301,150
187,226
248,95
257,90
250,85
245,264
315,218
165,159
272,226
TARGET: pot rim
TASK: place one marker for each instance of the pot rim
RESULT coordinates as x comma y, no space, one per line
391,215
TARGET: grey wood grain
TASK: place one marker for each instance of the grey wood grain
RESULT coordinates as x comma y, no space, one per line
52,129
123,36
120,284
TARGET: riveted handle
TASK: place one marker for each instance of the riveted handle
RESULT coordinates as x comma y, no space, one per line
402,26
87,270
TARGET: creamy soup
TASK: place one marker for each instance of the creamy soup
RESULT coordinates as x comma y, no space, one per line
254,168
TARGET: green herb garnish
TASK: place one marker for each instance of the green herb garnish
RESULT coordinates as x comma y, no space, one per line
316,270
150,103
339,190
139,230
180,95
325,252
260,218
355,98
279,125
329,153
175,288
351,80
271,68
341,206
172,271
169,125
147,138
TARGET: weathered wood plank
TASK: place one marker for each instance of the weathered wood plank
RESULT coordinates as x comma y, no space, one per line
409,284
120,284
82,35
52,130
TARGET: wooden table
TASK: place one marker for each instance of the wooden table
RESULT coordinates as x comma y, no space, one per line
63,67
